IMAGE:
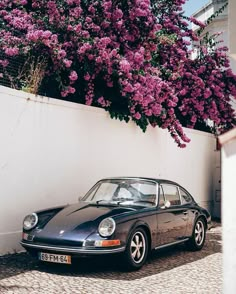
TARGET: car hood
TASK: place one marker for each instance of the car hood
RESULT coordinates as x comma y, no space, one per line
81,218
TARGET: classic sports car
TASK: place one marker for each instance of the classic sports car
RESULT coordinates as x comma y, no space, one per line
130,216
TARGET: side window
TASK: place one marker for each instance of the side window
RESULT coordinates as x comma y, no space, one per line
185,198
171,194
161,197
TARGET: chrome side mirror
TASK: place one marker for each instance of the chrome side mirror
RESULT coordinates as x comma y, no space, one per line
166,204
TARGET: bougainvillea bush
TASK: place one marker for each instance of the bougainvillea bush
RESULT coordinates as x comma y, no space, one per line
130,57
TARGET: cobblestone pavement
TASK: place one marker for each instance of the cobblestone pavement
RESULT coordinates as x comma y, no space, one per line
173,270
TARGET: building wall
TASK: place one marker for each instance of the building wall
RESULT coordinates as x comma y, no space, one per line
232,29
228,180
225,24
229,216
209,9
218,25
232,33
53,151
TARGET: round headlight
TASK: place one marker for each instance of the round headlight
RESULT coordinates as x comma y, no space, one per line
30,221
107,227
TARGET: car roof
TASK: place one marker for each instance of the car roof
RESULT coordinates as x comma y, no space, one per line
144,178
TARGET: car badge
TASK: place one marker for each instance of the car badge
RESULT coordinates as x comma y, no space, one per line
30,237
61,232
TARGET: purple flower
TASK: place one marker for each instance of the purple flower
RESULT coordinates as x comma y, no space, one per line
46,34
61,54
138,57
4,62
137,115
67,62
73,76
125,66
12,51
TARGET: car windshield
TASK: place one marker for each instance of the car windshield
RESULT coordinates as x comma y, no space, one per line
123,191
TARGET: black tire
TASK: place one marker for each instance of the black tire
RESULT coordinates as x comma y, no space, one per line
136,251
196,242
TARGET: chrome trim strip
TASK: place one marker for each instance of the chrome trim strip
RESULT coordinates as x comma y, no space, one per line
72,250
170,244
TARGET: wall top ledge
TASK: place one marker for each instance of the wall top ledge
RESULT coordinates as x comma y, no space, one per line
67,104
227,137
48,100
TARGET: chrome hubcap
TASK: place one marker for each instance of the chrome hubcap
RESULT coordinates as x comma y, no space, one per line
138,247
199,233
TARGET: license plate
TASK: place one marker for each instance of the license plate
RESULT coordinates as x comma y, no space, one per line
57,258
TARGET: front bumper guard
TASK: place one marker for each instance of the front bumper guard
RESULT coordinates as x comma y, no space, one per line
71,249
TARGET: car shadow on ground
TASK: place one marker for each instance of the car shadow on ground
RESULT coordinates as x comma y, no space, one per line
109,268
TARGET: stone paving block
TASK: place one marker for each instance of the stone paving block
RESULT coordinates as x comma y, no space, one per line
168,271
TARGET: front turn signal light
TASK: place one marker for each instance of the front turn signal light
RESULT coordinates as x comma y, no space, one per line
107,243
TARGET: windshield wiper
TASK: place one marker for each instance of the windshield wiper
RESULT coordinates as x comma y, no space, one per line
121,200
106,202
98,201
145,201
115,201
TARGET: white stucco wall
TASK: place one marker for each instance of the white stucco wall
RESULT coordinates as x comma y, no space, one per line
229,216
53,151
228,180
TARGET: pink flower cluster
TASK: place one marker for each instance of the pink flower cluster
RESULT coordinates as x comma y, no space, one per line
130,53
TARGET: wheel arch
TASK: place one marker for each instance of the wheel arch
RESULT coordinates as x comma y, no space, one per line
146,228
202,216
193,242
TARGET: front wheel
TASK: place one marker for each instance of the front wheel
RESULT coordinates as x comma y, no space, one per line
197,240
136,251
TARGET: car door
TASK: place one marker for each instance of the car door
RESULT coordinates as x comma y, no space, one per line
171,220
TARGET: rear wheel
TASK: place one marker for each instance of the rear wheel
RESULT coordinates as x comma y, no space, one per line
136,251
196,242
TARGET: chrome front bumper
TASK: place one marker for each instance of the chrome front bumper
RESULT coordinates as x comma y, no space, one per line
74,250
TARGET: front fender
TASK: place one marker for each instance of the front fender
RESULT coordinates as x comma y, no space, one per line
125,230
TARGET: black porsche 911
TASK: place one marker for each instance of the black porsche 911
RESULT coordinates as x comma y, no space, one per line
128,216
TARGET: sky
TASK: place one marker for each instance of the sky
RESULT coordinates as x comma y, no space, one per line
192,6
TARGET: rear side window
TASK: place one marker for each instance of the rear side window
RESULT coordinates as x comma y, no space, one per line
185,197
171,194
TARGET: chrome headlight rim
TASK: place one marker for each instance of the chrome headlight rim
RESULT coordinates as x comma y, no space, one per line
33,225
104,229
